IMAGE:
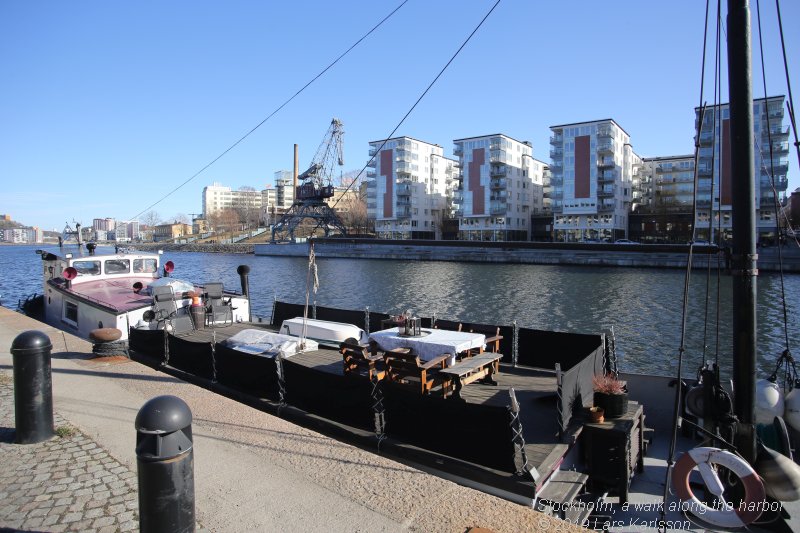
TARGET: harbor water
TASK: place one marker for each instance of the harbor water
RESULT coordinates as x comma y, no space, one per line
643,305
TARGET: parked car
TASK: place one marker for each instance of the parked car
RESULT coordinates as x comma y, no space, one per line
624,241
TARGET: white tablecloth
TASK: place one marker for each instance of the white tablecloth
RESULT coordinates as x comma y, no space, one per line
260,342
437,342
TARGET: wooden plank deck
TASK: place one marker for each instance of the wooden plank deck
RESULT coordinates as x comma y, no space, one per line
535,391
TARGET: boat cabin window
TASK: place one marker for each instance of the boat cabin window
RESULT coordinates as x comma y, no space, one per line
87,268
118,266
146,266
71,313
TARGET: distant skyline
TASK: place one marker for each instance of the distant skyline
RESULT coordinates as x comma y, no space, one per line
106,107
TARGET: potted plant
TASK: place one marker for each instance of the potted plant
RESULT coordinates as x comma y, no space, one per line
611,394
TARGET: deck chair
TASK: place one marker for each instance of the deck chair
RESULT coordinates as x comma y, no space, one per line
405,367
358,360
167,312
217,309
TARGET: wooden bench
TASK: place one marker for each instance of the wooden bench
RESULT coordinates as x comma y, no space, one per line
481,367
403,366
357,359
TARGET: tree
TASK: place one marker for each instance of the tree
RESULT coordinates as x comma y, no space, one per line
182,218
151,219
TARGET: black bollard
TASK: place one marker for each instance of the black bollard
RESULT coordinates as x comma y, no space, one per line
165,463
244,271
33,387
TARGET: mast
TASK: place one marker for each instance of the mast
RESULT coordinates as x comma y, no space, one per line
744,259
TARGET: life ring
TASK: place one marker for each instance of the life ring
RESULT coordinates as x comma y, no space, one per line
724,516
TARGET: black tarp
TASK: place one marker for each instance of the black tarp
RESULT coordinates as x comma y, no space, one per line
149,342
577,390
191,357
284,311
249,373
471,432
345,399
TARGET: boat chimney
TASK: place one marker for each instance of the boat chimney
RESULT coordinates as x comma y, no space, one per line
91,247
244,272
296,167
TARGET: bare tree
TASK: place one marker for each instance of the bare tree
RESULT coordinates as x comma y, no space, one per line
151,219
182,218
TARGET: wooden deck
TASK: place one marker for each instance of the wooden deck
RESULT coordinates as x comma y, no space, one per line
535,391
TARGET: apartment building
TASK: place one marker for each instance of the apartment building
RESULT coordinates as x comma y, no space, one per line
663,196
591,165
22,235
500,187
275,201
714,168
409,187
217,198
104,224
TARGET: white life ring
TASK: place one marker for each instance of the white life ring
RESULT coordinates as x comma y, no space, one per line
724,516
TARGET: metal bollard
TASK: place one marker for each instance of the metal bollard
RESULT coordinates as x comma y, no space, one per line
165,464
244,271
33,387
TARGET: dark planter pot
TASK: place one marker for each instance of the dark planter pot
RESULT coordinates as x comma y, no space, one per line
614,405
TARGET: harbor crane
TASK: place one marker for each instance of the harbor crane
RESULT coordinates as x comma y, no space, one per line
313,189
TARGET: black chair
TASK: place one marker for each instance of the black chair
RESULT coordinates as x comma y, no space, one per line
218,311
167,313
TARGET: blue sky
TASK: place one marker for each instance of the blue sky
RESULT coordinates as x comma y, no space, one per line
107,106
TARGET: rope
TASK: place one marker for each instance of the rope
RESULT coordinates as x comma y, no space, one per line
246,135
402,120
687,277
111,348
378,410
213,356
517,438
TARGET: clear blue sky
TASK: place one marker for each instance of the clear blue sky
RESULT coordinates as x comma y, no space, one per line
107,106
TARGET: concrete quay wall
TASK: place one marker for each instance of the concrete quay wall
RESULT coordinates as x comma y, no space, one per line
630,255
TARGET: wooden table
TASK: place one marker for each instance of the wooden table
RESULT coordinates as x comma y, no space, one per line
432,343
482,366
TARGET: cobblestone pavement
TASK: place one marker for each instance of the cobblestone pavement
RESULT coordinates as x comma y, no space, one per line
68,483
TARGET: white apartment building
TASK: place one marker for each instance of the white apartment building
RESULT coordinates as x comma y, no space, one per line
276,201
501,186
409,187
22,235
714,170
217,197
591,165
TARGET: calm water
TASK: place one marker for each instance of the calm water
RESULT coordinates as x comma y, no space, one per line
643,305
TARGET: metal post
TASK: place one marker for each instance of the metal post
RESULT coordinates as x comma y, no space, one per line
244,272
165,464
744,230
33,387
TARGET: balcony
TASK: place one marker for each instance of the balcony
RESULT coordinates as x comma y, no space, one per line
497,184
498,208
403,201
607,176
605,147
404,212
403,168
498,196
606,192
373,151
498,170
497,156
558,138
776,112
767,201
556,165
778,148
556,153
458,151
704,171
605,131
776,132
372,163
495,146
606,162
371,174
403,189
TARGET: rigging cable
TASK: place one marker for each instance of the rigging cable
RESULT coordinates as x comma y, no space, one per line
786,357
402,120
790,103
682,347
246,135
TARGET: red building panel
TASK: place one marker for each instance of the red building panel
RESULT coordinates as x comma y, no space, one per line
582,166
387,162
475,187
